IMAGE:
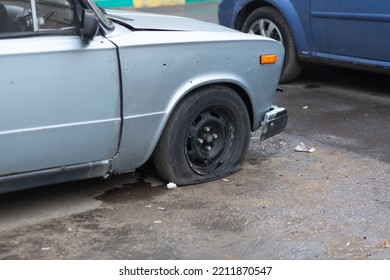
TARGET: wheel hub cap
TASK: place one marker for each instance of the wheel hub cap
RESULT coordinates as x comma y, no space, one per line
207,138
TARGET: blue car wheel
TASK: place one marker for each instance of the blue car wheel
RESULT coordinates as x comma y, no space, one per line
267,21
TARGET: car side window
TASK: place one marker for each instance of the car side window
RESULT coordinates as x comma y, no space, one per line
14,16
18,16
55,14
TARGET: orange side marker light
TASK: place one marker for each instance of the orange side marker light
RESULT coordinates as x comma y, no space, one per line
268,59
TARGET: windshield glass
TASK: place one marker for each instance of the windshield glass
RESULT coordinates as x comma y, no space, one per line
107,23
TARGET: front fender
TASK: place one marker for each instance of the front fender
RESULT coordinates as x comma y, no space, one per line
142,132
159,68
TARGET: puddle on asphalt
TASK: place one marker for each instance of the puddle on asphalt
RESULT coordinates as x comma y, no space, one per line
137,191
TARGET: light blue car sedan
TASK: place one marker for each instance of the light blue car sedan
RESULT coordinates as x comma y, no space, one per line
351,33
86,93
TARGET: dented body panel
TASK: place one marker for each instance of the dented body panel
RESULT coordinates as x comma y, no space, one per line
96,109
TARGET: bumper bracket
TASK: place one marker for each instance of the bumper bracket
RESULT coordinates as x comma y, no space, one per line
275,121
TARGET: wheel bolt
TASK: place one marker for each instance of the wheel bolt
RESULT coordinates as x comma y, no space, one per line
215,136
206,128
200,140
208,148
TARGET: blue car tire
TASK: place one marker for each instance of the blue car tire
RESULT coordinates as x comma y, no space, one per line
267,21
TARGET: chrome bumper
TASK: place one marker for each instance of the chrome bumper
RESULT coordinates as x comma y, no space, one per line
275,121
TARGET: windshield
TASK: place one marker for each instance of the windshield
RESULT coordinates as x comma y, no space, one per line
107,23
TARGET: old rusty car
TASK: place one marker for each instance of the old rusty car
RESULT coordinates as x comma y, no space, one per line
92,93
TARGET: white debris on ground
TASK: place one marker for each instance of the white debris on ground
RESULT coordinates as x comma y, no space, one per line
301,147
171,186
386,244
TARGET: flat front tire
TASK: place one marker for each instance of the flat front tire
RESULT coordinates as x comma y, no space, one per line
206,137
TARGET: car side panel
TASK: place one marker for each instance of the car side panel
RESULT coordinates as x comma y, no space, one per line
353,28
60,102
159,68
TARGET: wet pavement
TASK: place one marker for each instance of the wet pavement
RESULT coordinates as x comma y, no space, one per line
330,204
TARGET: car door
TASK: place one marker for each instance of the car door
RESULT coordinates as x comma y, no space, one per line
59,97
354,28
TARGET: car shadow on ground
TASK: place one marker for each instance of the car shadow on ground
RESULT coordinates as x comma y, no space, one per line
376,84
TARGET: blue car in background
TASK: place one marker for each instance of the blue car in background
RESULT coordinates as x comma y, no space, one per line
352,33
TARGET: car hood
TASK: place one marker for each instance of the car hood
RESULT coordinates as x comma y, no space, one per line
155,22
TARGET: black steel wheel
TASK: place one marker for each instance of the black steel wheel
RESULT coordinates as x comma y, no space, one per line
206,137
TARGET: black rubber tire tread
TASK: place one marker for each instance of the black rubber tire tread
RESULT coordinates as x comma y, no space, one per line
170,158
291,65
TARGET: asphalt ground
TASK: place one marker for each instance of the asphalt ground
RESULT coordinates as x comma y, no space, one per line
333,203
